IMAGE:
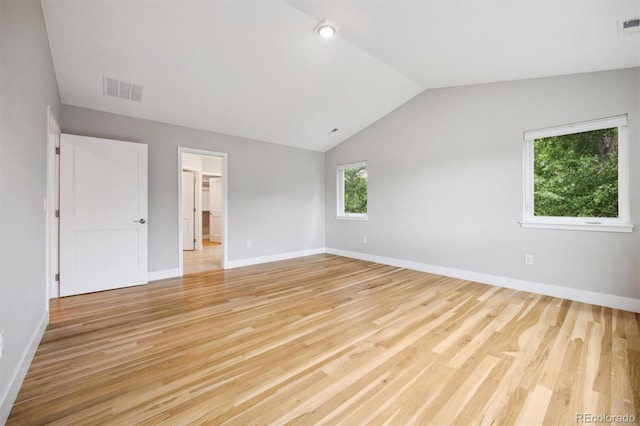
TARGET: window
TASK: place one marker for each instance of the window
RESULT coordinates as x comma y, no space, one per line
352,191
576,177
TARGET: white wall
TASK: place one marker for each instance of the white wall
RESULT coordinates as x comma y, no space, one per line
445,183
275,193
27,86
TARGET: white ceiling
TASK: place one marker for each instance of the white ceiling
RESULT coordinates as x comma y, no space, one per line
254,68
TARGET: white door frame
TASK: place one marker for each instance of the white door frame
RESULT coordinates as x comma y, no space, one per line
52,237
225,232
211,203
197,215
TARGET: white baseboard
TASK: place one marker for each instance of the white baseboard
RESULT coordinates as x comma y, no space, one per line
601,299
163,274
9,398
272,258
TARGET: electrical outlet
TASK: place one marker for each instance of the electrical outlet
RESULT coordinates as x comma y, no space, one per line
1,343
528,259
364,240
249,244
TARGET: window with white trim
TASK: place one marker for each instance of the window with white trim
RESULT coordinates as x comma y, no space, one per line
352,191
577,176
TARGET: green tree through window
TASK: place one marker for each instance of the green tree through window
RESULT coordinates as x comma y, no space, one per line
355,190
576,175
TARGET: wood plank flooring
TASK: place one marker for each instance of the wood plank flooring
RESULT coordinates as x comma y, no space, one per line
207,259
329,340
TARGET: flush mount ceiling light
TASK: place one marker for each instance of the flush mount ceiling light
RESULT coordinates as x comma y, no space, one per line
325,29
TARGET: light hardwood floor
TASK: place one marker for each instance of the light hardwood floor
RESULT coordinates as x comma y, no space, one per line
207,259
329,340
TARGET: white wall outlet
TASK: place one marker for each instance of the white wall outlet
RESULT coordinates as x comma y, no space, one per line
364,240
1,343
249,243
528,259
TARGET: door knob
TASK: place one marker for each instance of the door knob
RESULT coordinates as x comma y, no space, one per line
141,221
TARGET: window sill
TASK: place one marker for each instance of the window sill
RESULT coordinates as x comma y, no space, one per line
597,227
359,218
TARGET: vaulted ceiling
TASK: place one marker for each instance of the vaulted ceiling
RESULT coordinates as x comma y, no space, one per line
255,68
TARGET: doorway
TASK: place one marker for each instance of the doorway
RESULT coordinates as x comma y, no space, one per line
202,221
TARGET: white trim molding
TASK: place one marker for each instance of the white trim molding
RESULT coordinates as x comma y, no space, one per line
585,296
584,126
585,226
273,258
52,237
9,398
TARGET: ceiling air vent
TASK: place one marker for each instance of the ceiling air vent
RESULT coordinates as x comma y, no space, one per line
122,89
629,26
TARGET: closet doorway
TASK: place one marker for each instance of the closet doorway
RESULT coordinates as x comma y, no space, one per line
203,211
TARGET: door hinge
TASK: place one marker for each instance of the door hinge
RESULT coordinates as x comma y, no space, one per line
57,277
57,150
194,240
57,213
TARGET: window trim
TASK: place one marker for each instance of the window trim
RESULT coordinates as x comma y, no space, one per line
620,224
340,213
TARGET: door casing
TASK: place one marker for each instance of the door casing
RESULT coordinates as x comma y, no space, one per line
189,184
225,231
215,215
51,205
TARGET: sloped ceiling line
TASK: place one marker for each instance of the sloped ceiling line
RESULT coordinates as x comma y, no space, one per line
256,69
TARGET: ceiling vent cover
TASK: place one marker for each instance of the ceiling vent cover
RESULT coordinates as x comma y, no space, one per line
122,89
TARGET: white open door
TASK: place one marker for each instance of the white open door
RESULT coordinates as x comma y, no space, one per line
215,209
103,213
188,210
